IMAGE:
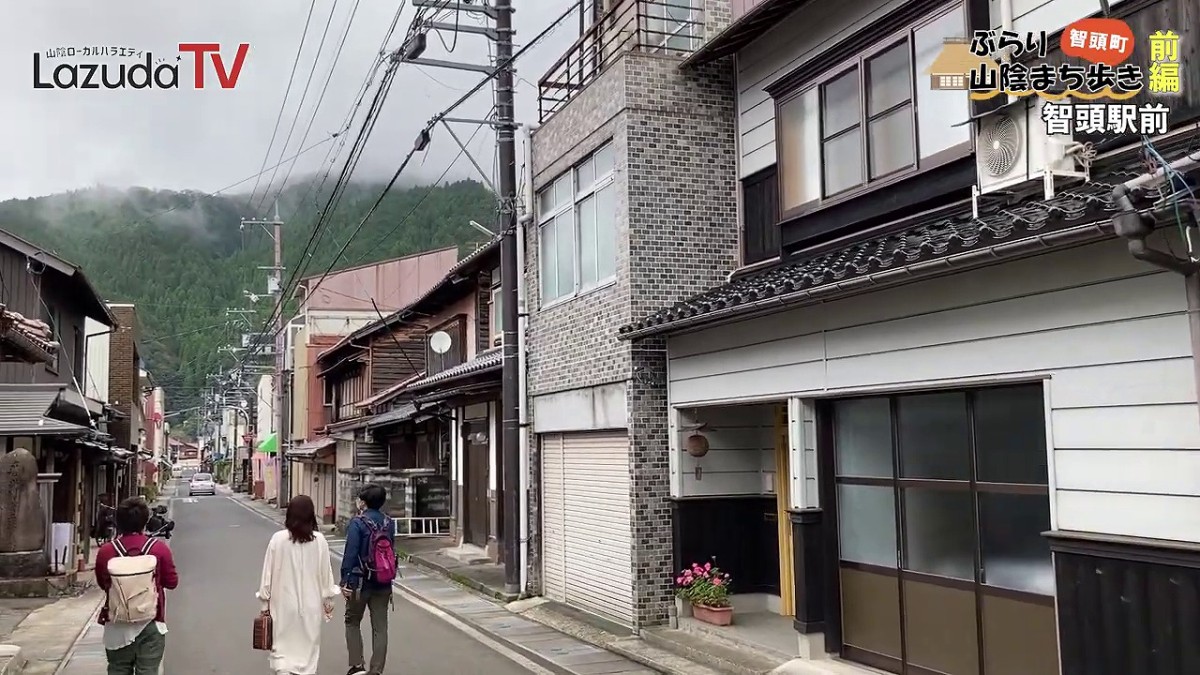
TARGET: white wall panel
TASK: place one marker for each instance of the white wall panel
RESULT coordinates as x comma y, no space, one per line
1167,472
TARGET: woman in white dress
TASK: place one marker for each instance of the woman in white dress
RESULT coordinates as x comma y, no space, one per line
298,588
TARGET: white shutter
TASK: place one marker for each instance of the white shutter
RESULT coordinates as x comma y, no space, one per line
587,509
554,576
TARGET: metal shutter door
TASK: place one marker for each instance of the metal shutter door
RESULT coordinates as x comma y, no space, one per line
554,573
596,513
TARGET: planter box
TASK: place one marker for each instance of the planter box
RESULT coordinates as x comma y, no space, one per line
717,616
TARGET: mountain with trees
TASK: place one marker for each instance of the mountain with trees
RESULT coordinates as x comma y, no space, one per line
183,258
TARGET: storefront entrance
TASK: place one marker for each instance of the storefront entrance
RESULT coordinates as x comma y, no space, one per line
940,501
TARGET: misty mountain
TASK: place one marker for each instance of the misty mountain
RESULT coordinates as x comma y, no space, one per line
184,257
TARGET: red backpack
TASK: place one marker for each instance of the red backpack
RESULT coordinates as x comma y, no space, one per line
380,559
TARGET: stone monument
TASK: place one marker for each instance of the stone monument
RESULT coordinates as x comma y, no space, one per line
22,520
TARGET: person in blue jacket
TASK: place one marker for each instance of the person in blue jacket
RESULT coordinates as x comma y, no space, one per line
362,592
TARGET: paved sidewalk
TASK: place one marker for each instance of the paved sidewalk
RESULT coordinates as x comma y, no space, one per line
547,647
48,635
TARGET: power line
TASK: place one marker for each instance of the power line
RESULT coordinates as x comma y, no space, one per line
300,106
408,158
283,105
324,88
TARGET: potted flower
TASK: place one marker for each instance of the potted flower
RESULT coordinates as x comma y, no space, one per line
707,588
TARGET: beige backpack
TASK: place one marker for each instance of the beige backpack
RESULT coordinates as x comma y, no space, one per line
133,597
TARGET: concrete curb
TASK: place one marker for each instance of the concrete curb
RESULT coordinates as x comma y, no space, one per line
462,580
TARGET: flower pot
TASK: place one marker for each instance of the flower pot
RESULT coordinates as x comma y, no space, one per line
717,616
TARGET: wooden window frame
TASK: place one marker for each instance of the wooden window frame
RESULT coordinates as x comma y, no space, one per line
456,326
495,332
793,91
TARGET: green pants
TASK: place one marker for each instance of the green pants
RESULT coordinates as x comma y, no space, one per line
142,656
377,602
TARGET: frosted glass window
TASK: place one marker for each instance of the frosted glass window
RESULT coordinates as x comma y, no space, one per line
939,533
588,273
1015,554
565,237
606,232
1010,435
549,271
843,162
889,79
935,436
938,111
867,524
799,148
891,140
840,105
863,437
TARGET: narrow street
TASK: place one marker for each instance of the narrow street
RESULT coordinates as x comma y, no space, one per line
219,546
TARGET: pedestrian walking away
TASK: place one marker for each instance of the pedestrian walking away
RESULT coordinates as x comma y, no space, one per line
368,569
134,570
297,589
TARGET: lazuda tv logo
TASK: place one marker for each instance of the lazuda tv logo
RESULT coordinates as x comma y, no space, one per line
145,73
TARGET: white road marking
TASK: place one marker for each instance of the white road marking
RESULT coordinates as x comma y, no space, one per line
454,621
189,500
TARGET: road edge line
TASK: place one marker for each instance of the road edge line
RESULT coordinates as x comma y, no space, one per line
523,657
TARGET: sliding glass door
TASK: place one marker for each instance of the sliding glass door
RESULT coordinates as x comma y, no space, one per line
942,499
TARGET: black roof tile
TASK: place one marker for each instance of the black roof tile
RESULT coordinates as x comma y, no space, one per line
937,235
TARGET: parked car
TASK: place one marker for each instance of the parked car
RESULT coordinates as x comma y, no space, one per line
202,484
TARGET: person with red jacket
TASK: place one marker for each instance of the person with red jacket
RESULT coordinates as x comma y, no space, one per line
135,648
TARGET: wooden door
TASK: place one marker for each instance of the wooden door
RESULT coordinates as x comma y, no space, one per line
476,493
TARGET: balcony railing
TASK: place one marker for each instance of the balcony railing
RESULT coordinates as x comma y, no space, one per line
670,27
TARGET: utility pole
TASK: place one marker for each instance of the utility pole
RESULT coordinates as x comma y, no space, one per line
507,222
275,289
505,124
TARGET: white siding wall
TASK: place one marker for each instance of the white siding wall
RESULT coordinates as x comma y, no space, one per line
1109,332
818,26
97,355
741,451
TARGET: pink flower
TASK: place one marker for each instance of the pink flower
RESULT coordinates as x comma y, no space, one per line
679,580
708,566
717,582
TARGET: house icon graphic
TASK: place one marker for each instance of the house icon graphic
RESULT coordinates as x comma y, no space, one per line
952,68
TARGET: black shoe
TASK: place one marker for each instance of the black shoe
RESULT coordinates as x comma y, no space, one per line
356,670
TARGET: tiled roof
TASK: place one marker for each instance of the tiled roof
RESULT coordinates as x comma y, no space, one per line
482,363
31,338
931,238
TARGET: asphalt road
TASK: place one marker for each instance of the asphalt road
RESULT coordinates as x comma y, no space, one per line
219,546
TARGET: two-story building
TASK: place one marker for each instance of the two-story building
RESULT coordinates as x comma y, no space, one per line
43,404
330,308
933,420
424,422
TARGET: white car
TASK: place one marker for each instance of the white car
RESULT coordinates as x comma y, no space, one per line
202,484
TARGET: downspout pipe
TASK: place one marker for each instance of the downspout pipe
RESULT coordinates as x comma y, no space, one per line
1135,226
523,222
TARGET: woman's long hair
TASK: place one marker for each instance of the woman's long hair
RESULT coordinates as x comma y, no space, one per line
300,519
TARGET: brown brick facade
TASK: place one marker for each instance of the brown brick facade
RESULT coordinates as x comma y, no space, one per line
124,377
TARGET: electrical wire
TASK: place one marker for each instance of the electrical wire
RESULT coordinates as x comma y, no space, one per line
324,88
300,106
283,105
407,159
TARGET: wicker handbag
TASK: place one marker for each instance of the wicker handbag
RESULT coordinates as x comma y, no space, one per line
264,631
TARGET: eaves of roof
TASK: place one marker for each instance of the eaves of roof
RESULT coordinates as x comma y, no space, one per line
88,298
484,362
933,244
469,264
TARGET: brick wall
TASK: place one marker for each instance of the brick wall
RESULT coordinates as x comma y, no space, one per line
124,377
673,133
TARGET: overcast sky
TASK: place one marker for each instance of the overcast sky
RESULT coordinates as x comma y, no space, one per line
56,140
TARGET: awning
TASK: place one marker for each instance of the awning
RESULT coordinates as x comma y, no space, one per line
312,449
744,30
484,363
270,444
25,411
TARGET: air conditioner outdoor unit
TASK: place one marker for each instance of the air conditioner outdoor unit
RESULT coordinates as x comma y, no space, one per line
1012,148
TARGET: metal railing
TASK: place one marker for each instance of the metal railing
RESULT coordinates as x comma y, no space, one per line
669,27
423,526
